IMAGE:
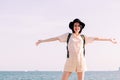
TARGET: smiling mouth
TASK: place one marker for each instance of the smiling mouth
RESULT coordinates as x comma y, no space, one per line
76,29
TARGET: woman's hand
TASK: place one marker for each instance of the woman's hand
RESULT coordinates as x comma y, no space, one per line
114,41
38,42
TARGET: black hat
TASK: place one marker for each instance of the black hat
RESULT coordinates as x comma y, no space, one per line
71,24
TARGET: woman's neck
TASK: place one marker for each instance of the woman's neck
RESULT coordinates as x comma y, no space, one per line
76,34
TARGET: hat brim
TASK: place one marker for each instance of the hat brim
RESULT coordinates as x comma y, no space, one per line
71,24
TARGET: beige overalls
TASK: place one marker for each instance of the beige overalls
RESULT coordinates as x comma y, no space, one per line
76,61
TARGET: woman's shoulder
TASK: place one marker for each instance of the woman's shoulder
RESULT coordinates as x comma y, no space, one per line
63,37
65,34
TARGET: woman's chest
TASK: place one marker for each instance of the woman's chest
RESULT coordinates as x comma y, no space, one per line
76,40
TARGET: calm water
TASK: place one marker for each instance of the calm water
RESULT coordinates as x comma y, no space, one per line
56,75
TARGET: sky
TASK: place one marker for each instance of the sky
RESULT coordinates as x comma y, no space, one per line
23,22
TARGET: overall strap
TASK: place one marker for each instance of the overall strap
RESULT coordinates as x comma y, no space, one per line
67,44
83,37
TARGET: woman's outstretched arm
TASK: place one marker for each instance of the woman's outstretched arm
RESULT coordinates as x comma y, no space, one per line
113,40
46,40
92,39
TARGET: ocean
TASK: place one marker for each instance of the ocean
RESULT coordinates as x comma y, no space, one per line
56,75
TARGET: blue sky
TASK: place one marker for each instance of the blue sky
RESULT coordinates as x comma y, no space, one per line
23,22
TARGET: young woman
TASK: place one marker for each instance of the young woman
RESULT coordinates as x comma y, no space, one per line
76,61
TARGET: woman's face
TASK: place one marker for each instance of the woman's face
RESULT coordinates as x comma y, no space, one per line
76,27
